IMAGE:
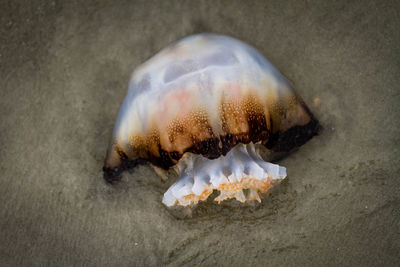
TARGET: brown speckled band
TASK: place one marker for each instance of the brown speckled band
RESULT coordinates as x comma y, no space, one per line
214,147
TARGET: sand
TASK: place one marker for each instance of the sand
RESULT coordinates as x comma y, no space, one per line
64,71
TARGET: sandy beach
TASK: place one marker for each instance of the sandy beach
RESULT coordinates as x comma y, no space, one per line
64,72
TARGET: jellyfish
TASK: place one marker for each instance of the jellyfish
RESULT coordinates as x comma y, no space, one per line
207,106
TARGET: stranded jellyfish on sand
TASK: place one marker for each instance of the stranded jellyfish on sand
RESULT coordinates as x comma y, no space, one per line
206,105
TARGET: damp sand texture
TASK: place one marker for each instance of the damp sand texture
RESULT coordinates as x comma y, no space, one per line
64,72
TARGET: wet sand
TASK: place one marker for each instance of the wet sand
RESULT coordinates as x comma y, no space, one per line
64,72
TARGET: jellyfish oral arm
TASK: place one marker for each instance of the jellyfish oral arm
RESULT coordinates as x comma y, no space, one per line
241,168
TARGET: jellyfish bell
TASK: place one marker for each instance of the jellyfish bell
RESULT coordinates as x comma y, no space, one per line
206,105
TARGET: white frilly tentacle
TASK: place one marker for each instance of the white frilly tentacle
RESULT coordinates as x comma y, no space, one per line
242,168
